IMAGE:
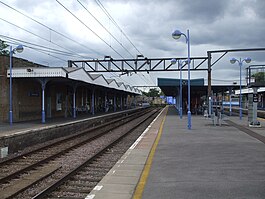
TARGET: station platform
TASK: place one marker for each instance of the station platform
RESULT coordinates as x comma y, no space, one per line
23,127
170,161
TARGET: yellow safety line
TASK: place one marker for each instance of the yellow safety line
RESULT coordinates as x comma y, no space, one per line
259,118
141,184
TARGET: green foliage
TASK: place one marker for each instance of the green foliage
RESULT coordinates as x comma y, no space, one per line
3,47
152,93
259,77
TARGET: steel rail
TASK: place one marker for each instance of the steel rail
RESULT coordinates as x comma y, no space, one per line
60,181
44,160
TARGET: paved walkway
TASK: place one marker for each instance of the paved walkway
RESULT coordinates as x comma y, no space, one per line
206,162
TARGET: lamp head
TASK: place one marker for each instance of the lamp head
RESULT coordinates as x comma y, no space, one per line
233,60
176,34
173,61
248,60
19,49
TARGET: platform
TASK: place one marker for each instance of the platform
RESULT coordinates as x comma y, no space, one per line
204,162
20,135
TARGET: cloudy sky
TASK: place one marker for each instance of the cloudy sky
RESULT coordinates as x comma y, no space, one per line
79,29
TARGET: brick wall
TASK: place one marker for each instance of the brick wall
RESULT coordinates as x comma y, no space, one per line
18,87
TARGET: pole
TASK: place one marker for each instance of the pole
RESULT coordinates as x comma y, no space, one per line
43,102
209,84
10,87
74,102
180,92
230,101
240,95
189,113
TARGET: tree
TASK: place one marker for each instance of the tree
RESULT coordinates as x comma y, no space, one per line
259,77
152,93
3,47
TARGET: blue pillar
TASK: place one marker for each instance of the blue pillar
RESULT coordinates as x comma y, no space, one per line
106,102
43,86
10,87
74,103
93,102
115,105
240,95
230,101
189,111
43,83
127,102
121,102
222,102
180,92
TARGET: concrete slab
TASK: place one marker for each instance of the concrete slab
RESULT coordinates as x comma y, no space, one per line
107,195
122,179
205,162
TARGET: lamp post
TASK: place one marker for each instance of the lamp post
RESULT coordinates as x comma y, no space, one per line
180,64
18,49
240,62
176,35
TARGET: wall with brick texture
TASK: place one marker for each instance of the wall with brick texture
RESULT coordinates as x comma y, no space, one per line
20,88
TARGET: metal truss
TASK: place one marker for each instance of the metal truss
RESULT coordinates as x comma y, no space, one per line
127,66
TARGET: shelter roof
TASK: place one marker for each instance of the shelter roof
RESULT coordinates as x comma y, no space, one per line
69,73
170,87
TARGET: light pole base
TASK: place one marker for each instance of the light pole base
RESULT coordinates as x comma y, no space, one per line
240,113
10,117
180,112
74,112
43,117
189,120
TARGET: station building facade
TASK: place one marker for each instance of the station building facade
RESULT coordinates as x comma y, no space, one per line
40,92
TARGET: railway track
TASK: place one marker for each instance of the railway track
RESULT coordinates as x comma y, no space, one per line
235,111
52,161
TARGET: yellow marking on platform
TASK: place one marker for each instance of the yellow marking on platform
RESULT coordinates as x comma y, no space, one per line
259,118
141,184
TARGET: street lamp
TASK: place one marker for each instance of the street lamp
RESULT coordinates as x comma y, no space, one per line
240,62
180,64
18,49
176,35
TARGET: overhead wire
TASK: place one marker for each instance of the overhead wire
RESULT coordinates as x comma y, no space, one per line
105,29
92,32
89,28
51,29
42,38
115,23
36,49
102,7
51,50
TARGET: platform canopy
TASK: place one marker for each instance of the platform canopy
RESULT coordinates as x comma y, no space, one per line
73,74
170,87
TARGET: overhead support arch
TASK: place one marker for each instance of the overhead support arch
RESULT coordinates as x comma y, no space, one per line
128,66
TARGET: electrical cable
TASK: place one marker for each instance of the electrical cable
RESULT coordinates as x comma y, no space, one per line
105,29
50,28
115,23
52,50
41,37
89,28
15,43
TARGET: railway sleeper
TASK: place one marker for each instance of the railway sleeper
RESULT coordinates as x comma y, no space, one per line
29,180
